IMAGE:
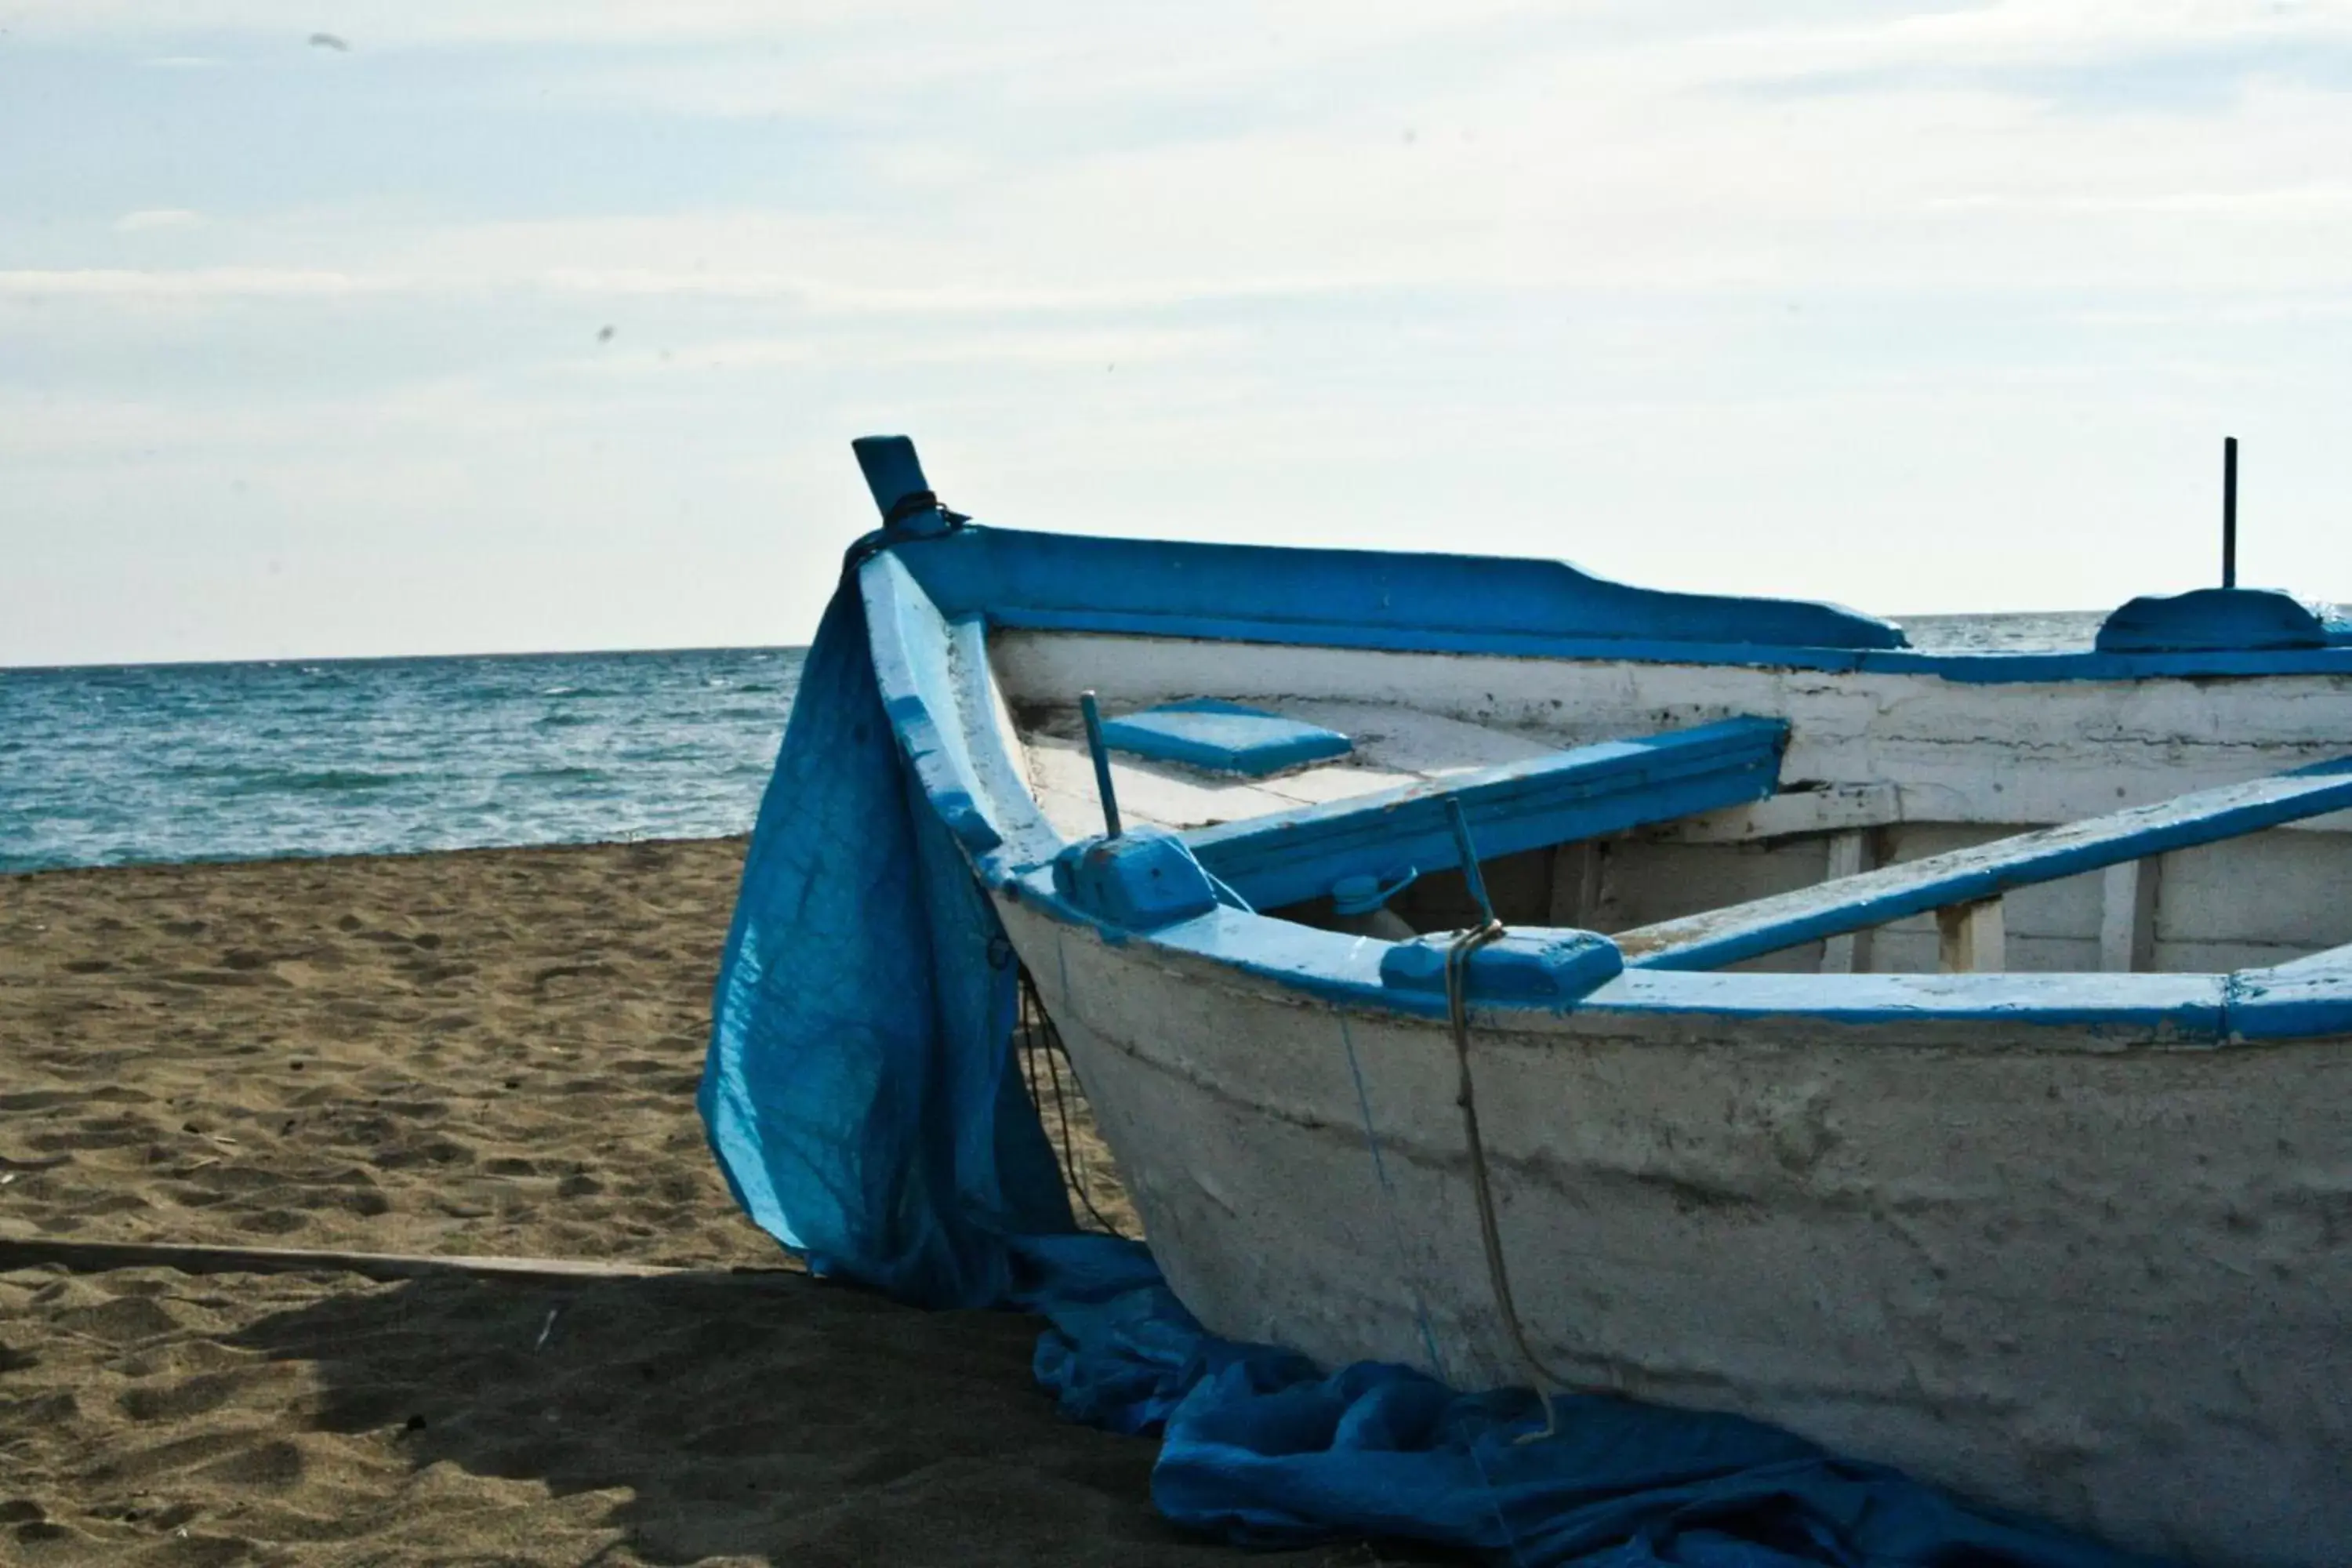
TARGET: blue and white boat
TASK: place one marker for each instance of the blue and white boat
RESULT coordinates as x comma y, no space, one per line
1479,965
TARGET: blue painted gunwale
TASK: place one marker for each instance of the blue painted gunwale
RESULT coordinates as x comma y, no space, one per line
926,660
1416,603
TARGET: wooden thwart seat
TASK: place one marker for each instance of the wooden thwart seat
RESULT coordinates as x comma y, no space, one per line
1293,856
2297,1000
1968,883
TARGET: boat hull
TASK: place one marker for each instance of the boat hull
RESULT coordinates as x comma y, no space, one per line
2095,1273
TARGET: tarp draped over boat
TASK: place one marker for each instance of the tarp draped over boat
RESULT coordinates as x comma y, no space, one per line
858,1090
861,1097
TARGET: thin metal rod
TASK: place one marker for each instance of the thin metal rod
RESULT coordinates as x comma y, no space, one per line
2229,511
1470,875
1102,763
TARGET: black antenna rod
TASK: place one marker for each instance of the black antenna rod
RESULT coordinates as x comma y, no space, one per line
2229,511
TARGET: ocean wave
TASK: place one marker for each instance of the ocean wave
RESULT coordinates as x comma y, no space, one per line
324,781
210,762
571,773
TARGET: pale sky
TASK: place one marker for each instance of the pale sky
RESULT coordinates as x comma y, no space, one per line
1913,308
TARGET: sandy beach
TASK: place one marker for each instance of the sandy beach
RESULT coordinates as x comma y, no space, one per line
487,1052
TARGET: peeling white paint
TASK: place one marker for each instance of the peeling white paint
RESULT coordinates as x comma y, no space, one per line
2099,1279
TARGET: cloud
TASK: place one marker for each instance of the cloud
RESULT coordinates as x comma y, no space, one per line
1722,277
1022,163
814,294
398,23
192,283
2292,202
2028,33
916,23
148,218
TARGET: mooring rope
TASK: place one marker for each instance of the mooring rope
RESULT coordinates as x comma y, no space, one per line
1482,1187
1412,1280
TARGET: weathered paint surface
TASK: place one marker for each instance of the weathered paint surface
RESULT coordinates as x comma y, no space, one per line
2095,1274
1976,874
2243,903
1954,752
1286,856
2227,618
1924,766
1224,737
1457,604
2077,1242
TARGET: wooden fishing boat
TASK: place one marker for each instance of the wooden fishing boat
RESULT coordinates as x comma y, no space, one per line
1475,965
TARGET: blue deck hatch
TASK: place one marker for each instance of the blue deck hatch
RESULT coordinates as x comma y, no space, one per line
1224,737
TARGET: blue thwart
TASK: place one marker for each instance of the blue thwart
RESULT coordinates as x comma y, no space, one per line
1224,737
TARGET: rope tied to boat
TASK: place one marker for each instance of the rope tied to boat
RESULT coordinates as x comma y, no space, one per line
913,504
1490,1233
902,522
1036,1035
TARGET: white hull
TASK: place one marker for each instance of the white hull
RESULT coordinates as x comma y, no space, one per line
2099,1279
2039,1187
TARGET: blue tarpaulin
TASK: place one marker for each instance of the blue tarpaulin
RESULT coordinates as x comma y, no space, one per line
861,1097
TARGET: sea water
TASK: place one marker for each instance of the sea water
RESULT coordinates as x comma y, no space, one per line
218,762
214,762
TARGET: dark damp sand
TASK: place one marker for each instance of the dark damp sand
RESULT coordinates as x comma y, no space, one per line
485,1052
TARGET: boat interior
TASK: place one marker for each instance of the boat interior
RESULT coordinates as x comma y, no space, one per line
1713,783
1716,817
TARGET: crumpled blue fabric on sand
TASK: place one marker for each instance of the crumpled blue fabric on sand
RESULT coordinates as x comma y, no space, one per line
861,1098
